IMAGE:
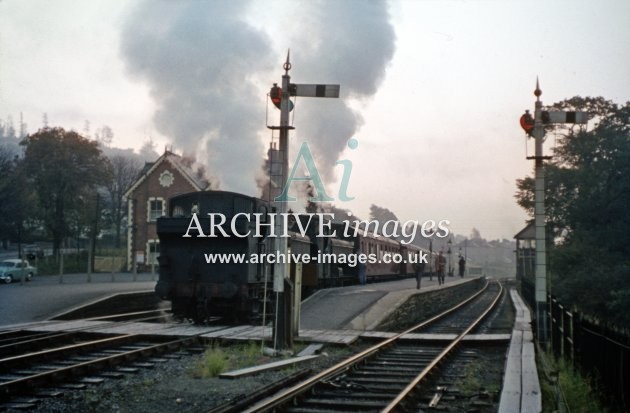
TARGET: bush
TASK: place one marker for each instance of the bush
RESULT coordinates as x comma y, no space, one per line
213,362
216,360
72,263
568,386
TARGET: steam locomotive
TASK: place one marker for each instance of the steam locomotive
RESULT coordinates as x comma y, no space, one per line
210,248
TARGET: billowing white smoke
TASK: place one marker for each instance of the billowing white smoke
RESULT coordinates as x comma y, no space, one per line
345,42
200,59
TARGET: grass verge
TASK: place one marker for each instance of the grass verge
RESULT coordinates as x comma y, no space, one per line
562,384
216,360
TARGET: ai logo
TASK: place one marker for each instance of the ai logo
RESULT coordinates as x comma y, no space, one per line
313,175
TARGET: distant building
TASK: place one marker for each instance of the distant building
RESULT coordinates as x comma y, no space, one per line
526,261
147,200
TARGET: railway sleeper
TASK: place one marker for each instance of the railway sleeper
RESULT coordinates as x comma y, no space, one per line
388,380
344,402
379,387
298,409
354,394
421,352
386,372
402,363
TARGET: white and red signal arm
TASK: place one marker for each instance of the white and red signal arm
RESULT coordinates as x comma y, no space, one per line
314,90
564,117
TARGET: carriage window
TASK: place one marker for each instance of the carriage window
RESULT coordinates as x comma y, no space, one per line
178,211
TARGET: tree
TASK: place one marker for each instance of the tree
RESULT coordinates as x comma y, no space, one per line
63,168
8,138
122,172
104,135
381,214
16,198
587,196
148,152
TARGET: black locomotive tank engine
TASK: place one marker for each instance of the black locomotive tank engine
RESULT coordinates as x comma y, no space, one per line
197,287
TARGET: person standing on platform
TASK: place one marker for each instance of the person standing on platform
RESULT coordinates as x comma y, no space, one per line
440,264
362,273
462,266
419,269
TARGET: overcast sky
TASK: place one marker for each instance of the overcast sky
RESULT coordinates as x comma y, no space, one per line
431,90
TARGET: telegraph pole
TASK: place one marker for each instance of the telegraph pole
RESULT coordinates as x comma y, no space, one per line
536,128
282,334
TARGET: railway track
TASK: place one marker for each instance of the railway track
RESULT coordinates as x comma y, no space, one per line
13,342
31,362
385,377
468,382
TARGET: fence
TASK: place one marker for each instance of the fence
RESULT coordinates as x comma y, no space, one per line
599,350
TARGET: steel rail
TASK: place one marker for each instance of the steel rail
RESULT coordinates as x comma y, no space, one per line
410,387
15,328
288,394
50,335
13,386
94,344
105,317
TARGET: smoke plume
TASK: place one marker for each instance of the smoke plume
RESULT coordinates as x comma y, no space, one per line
345,42
204,63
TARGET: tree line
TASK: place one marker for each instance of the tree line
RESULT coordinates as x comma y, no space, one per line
587,197
59,185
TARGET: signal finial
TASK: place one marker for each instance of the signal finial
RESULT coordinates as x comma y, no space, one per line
537,92
287,64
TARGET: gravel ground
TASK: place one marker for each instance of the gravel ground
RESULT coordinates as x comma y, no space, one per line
171,386
473,385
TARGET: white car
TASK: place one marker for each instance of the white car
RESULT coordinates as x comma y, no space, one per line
14,269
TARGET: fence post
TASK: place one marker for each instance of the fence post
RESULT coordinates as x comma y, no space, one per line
60,266
552,326
571,339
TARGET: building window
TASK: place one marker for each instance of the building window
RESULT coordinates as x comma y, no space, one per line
153,251
156,209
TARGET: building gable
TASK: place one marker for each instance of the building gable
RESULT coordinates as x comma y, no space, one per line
164,176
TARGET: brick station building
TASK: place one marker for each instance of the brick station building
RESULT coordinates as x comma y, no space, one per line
147,199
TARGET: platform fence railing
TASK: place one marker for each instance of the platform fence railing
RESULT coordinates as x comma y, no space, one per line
599,350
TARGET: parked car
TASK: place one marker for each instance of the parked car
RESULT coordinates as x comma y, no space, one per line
14,269
33,251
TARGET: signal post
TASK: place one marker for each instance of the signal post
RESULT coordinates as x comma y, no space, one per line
283,320
536,128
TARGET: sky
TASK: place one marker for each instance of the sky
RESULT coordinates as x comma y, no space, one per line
431,90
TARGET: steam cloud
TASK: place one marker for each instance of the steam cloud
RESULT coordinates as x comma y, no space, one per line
201,58
345,42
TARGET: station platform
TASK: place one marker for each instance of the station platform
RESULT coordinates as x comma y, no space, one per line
364,307
360,308
521,387
47,296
